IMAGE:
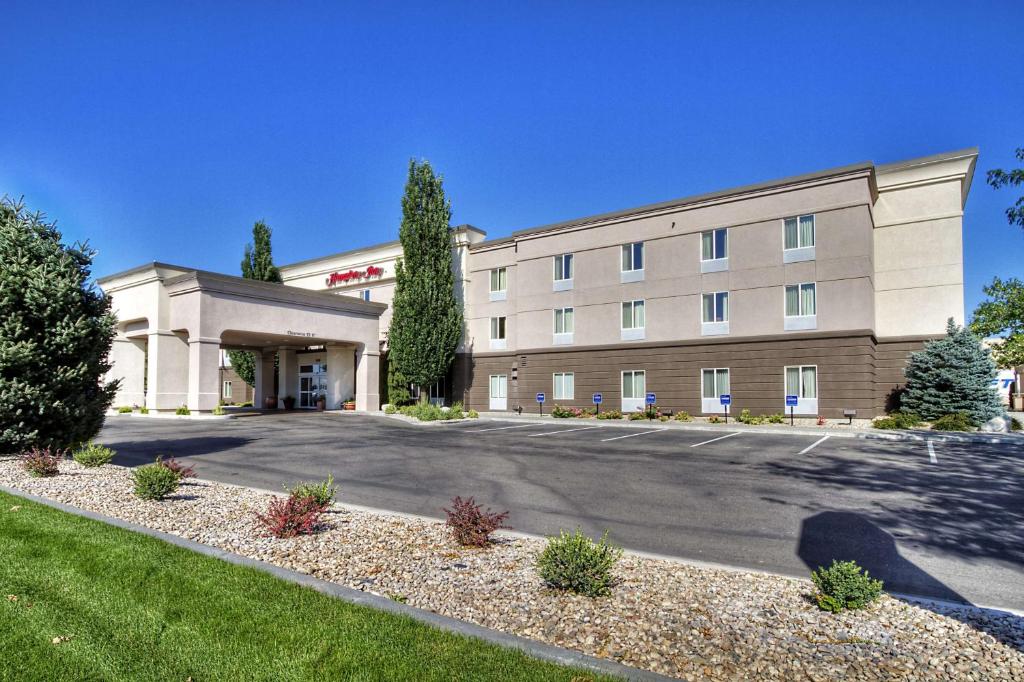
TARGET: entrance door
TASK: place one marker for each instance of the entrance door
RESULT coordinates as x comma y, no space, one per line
499,392
312,384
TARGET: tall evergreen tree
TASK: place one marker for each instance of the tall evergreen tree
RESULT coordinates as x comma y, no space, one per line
950,375
257,263
56,330
426,324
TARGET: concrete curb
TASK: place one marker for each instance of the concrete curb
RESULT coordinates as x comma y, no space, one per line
539,650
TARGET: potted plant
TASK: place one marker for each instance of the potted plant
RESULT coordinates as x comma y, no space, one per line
349,405
270,402
321,402
289,402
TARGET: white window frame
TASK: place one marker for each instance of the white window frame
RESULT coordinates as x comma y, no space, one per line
633,333
499,325
502,293
633,274
800,322
713,405
226,390
632,404
563,336
365,294
800,252
714,327
559,281
803,405
558,391
717,262
499,401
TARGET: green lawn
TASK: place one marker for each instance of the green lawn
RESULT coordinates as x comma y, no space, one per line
137,608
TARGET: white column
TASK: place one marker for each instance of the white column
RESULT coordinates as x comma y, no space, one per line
203,374
341,375
128,365
287,376
167,373
368,380
264,379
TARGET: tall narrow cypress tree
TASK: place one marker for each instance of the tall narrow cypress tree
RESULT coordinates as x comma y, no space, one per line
257,263
426,324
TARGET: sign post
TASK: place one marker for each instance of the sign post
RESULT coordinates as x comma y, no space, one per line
791,401
726,400
540,404
649,400
597,403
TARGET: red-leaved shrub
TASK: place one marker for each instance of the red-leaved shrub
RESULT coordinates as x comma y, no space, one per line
182,470
471,524
42,462
286,518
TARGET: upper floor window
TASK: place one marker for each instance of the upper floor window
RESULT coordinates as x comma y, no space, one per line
633,257
714,244
564,321
633,315
497,328
563,267
801,299
365,294
499,284
798,239
715,307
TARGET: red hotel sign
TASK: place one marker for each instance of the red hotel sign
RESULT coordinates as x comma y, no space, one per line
352,275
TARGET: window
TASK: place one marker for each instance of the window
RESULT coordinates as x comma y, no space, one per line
801,300
714,244
564,321
634,384
226,392
714,383
633,257
563,267
799,232
564,386
499,280
715,307
633,315
497,329
802,382
365,294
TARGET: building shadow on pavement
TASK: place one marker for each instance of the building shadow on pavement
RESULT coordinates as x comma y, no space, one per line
132,453
850,536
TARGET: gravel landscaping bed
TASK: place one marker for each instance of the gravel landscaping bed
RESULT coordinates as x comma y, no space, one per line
685,621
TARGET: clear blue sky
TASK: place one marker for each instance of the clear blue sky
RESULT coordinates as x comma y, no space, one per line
162,131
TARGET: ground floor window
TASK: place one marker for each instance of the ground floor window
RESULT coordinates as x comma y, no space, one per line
714,382
634,387
226,390
802,381
563,388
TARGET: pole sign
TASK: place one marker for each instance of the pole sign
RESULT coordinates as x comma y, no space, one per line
650,399
725,399
598,398
792,400
540,397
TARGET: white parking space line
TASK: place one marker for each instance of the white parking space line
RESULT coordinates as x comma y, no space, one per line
728,435
631,435
814,445
931,453
502,428
555,433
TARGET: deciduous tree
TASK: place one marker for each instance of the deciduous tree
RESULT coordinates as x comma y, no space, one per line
1002,314
1011,178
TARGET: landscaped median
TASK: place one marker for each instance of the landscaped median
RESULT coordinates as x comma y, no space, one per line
677,619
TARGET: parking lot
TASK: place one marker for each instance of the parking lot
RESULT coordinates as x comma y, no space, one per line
938,519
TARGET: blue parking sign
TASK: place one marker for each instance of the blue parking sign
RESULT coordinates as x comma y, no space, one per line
651,399
540,397
791,400
725,399
598,398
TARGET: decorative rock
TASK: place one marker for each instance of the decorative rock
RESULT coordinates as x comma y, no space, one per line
996,425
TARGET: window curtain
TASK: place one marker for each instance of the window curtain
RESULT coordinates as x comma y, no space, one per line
567,321
709,305
639,384
627,385
708,383
808,305
568,387
809,384
707,246
806,230
638,314
723,381
626,257
627,315
792,240
722,312
792,300
793,381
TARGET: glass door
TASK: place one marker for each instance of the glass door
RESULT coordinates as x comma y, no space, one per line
498,392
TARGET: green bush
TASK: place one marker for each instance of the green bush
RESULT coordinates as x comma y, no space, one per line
390,409
638,415
218,411
183,411
425,412
844,585
575,562
714,419
683,416
323,492
559,412
473,414
143,410
898,420
125,409
959,421
746,418
93,455
247,403
456,411
1015,424
155,481
776,418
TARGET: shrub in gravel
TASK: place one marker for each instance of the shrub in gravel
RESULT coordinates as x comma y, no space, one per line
323,492
638,415
183,411
218,411
125,409
776,418
180,470
683,416
471,524
425,412
898,420
286,518
42,462
93,455
473,414
143,410
609,414
574,562
844,585
155,481
959,421
1015,424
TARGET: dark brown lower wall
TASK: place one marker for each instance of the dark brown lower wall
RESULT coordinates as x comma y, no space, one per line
848,373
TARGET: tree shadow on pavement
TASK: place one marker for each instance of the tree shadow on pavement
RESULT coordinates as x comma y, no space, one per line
137,452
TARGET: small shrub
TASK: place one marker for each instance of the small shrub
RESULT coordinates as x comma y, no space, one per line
425,412
125,409
559,412
390,409
180,470
844,585
1015,424
776,418
473,414
42,462
959,421
683,416
898,420
471,524
746,418
183,411
714,419
155,481
609,414
286,518
638,415
143,410
218,411
93,455
577,563
663,417
821,420
247,403
456,411
322,492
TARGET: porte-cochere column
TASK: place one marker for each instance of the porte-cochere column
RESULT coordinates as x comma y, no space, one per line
203,373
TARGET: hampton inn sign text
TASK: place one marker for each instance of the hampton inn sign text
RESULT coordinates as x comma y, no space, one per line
354,275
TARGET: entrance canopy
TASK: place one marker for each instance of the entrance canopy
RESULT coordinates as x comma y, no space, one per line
173,322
